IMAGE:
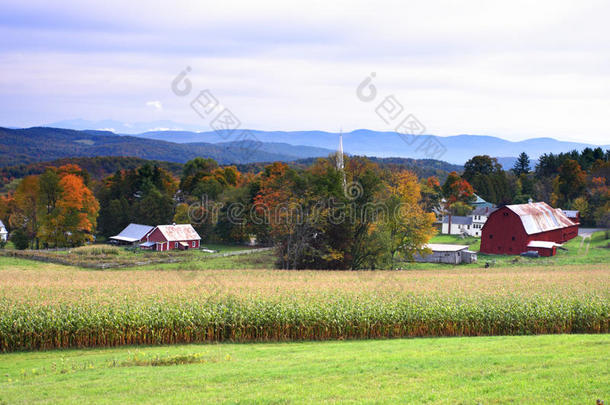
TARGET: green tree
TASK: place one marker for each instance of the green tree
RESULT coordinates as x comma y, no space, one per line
522,165
20,239
570,184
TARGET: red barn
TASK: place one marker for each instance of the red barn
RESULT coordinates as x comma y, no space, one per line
169,237
510,229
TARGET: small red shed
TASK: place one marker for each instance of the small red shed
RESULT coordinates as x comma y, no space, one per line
169,237
543,248
511,228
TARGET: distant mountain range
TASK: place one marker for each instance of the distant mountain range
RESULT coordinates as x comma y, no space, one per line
40,144
34,144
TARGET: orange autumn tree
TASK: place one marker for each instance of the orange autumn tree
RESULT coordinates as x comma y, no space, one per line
73,219
274,197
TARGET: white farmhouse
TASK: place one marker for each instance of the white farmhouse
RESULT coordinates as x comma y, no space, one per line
456,225
479,216
3,233
467,225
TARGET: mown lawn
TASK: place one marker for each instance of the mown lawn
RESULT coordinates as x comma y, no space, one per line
558,369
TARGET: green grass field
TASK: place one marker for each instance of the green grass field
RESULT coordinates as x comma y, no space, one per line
558,369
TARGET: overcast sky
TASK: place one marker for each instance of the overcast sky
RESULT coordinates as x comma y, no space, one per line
511,69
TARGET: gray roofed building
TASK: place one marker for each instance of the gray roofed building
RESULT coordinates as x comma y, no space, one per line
450,254
132,233
458,220
483,211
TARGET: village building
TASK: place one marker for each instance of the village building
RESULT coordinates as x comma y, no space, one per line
479,216
133,234
471,225
3,233
573,215
170,237
510,229
479,202
456,225
450,254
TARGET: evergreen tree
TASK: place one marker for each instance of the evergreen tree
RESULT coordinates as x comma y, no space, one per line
522,165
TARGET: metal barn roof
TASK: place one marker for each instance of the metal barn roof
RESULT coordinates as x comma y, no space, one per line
540,217
179,232
441,247
542,244
2,227
133,233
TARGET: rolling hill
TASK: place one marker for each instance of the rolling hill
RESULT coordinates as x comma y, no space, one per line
39,144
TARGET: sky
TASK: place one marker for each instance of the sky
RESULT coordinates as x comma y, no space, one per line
513,69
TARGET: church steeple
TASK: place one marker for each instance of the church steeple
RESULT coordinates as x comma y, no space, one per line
340,165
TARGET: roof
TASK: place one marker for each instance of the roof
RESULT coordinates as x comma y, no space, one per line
483,211
570,213
2,227
458,220
147,244
542,244
133,233
441,247
179,232
540,217
479,201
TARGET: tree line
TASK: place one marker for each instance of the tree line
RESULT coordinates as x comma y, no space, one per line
322,215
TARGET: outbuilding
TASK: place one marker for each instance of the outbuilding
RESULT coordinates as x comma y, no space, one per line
543,248
170,237
510,229
132,234
445,253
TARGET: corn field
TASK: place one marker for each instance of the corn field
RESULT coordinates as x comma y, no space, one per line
47,306
323,317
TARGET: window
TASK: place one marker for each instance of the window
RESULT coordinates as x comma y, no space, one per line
176,245
194,244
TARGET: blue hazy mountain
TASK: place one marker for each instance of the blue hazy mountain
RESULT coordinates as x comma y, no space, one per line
457,149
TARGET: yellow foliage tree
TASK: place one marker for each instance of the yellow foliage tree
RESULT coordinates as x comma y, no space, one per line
408,226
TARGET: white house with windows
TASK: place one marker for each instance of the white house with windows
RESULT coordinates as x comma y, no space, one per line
471,225
456,225
3,233
479,216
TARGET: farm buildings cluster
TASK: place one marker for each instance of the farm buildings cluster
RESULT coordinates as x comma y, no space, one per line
160,237
534,229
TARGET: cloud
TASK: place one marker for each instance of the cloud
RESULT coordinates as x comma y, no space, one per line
155,104
511,69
